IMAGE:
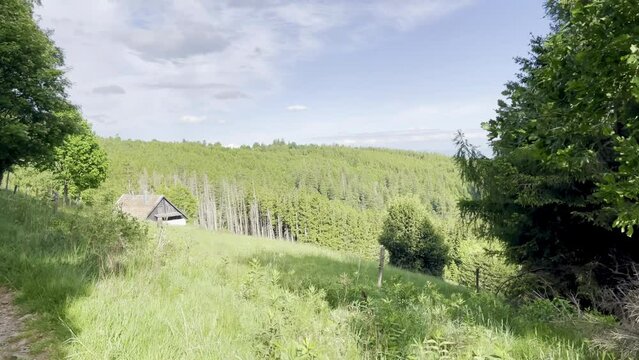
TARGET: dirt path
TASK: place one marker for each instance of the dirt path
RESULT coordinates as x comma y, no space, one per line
11,324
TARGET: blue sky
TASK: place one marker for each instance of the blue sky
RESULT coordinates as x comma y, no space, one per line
398,74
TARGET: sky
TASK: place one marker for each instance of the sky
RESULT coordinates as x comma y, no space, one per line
400,74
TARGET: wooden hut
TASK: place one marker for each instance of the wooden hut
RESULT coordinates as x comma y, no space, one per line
151,207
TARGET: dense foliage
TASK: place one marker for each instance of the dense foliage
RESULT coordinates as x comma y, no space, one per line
35,115
564,170
412,240
100,287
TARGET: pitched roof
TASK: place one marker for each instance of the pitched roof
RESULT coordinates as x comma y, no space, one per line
140,206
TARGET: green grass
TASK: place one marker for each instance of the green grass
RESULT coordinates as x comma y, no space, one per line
191,294
49,258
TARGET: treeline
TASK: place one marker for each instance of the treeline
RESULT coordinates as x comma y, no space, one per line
363,178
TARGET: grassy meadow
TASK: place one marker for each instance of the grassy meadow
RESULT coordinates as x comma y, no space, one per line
105,287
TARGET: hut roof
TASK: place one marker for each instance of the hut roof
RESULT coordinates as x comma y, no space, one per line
141,206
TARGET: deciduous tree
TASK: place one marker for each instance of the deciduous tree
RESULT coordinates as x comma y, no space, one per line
33,99
79,162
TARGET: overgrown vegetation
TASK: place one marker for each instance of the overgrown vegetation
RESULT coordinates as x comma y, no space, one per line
190,293
560,193
52,257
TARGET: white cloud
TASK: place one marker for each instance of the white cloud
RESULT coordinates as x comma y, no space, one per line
174,56
407,14
396,136
296,108
230,95
411,139
191,119
109,90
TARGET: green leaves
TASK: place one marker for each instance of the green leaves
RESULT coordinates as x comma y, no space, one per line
79,161
565,167
32,89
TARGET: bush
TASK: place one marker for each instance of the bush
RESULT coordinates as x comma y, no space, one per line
412,240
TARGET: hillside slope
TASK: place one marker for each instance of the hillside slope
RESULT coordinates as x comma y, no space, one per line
103,289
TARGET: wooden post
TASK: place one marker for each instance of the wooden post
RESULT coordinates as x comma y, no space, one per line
15,189
55,201
380,274
6,187
477,279
66,193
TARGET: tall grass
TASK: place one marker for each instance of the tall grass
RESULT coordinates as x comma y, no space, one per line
52,257
186,293
228,297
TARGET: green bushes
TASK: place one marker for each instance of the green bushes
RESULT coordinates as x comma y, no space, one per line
412,240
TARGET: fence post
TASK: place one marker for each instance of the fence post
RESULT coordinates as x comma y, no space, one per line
380,274
55,201
477,279
15,189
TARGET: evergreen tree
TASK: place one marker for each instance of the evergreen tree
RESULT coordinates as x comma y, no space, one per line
412,240
564,170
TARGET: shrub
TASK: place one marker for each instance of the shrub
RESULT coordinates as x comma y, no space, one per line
412,240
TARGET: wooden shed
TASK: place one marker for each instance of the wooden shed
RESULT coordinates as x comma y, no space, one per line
151,207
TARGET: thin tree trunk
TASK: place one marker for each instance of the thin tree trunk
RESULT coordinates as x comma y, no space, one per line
229,215
269,224
213,204
244,213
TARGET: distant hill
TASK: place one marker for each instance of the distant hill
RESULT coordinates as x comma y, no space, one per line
329,195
